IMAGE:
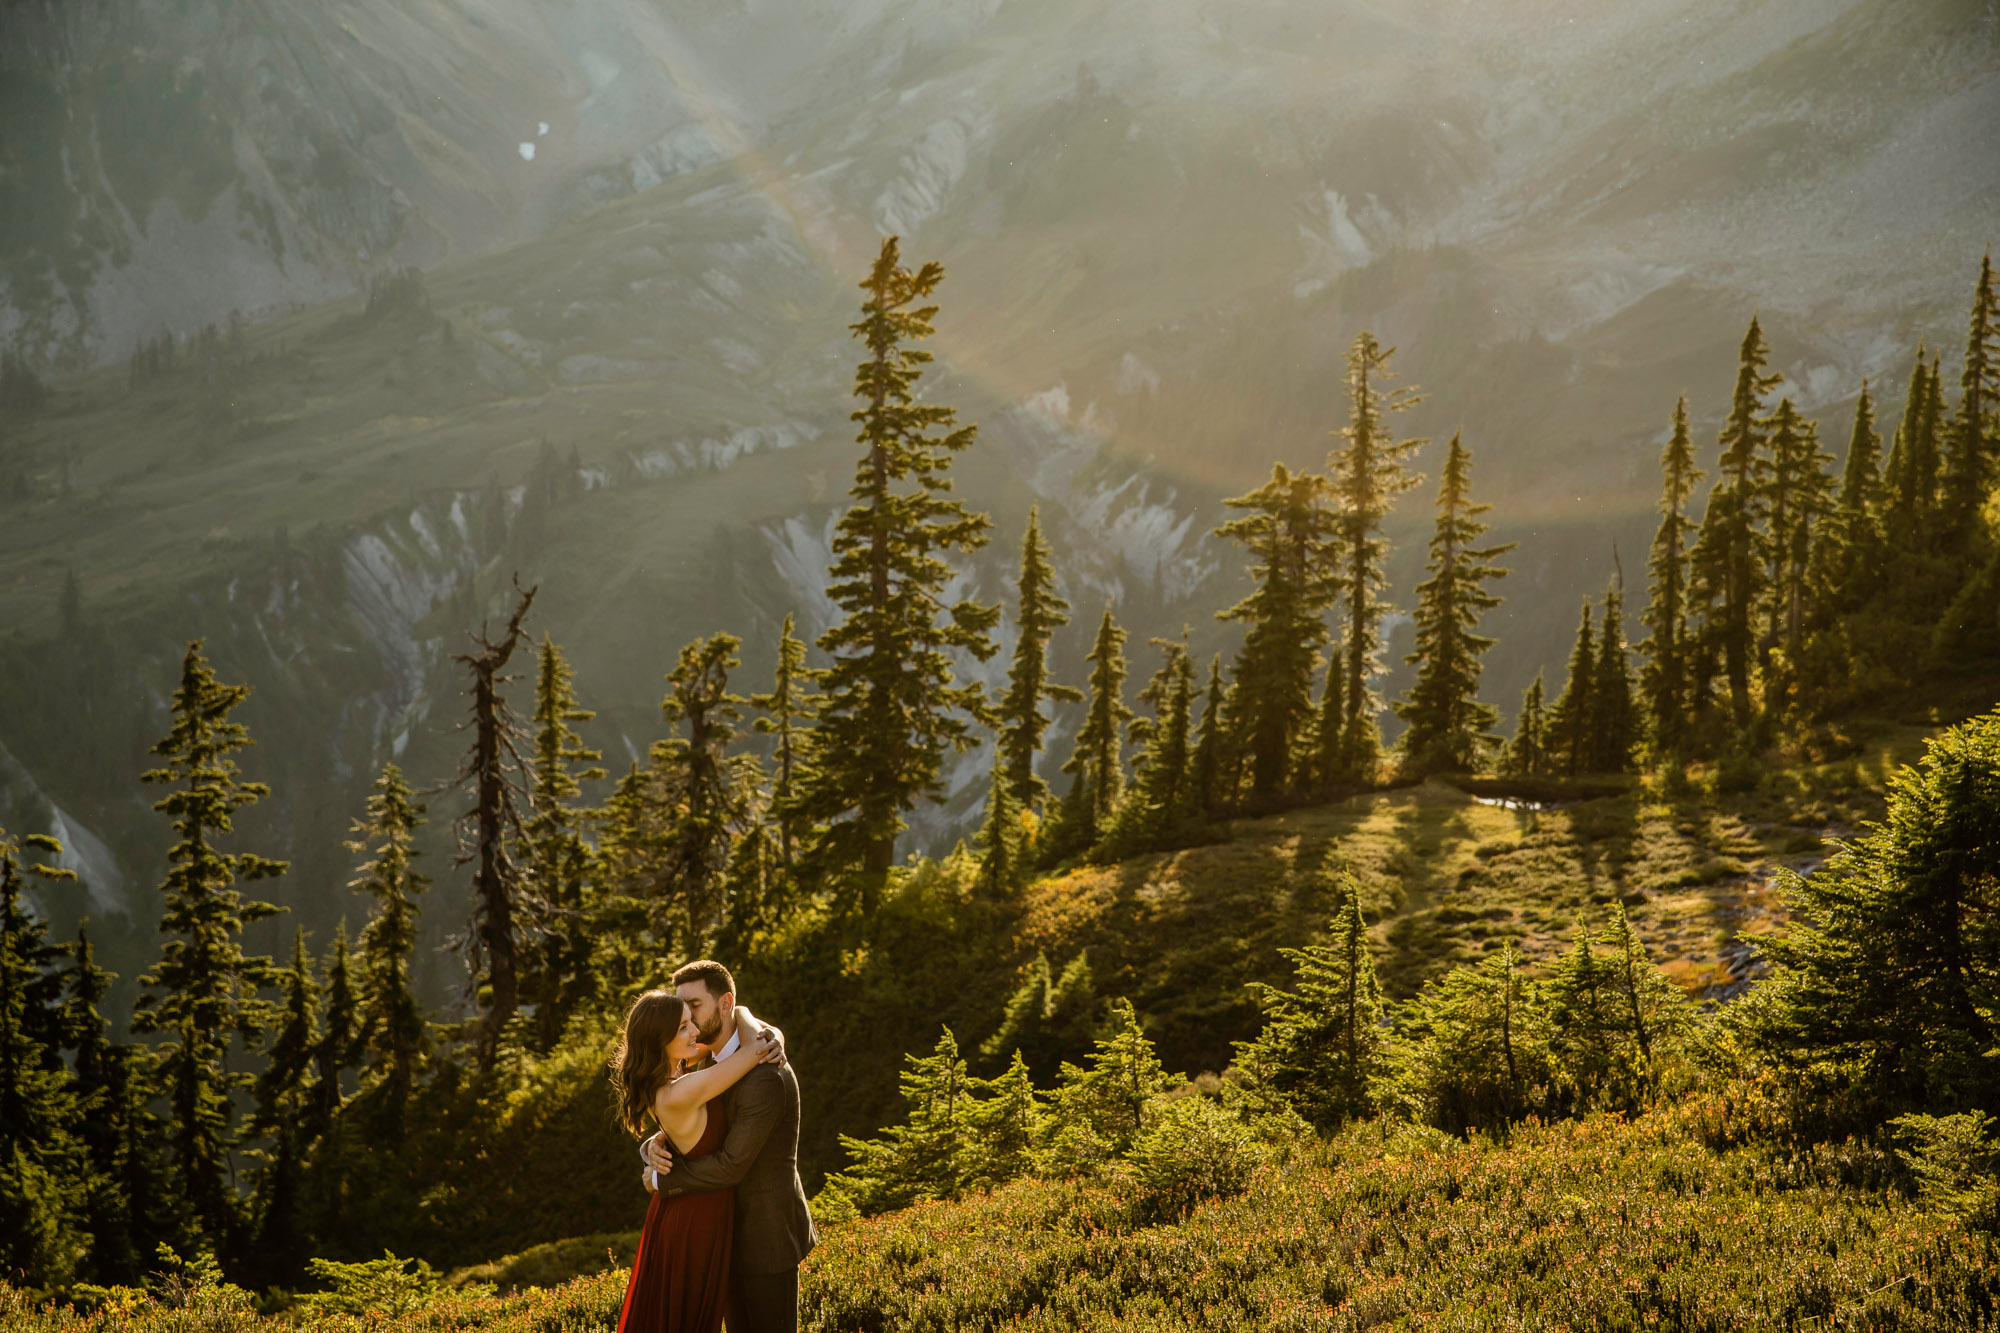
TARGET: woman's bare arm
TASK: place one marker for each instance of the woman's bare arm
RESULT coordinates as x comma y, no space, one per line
755,1045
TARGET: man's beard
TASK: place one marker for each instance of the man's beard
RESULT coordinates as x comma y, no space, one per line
711,1035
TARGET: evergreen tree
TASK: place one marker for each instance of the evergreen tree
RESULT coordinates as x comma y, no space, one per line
999,841
1474,1047
1368,473
336,1050
290,1112
787,715
1727,563
1667,681
203,991
1162,799
1527,754
1039,614
1968,472
931,1154
1904,505
1584,1018
503,902
389,1025
705,791
1852,544
1567,732
1005,1120
1321,766
1801,494
1912,522
1048,1018
892,708
1450,730
1289,533
557,855
1205,769
1612,731
1108,1095
1655,1012
43,1190
1886,980
128,1208
1098,762
1319,1050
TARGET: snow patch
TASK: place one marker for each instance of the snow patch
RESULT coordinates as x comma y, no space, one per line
926,175
85,853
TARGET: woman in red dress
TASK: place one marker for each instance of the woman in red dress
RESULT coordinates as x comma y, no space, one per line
680,1277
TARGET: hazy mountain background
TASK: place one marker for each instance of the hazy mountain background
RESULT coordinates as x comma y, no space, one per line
626,372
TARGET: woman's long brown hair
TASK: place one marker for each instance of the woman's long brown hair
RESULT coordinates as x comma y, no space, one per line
639,1066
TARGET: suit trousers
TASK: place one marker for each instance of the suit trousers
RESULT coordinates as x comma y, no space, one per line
763,1302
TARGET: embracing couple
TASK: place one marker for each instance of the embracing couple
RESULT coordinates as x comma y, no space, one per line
728,1225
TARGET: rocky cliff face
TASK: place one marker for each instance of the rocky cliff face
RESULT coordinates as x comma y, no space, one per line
625,370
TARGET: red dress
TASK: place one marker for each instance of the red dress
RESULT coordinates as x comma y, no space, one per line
680,1277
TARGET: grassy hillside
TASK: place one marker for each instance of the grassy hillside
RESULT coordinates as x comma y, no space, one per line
1597,1224
1447,876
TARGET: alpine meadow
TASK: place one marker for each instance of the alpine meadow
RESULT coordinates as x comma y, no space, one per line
1321,665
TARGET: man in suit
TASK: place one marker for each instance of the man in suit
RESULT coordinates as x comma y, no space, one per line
759,1157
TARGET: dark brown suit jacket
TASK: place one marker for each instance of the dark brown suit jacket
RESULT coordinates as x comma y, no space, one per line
759,1156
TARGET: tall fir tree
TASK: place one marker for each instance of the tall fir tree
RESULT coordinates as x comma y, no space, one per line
704,790
1001,854
1907,503
1369,471
129,1207
1039,613
786,715
1161,803
389,1025
892,706
336,1050
1728,561
1527,755
289,1113
1289,533
556,854
1449,729
202,994
1852,545
1320,766
1667,682
1097,765
1319,1049
44,1191
1205,769
1612,731
1567,732
1923,527
1801,494
489,831
1969,467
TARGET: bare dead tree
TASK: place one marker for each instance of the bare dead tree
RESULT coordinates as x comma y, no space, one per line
494,769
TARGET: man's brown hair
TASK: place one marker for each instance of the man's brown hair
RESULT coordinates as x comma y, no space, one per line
709,973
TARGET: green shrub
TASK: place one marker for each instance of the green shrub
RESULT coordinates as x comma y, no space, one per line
385,1286
1191,1150
1956,1163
